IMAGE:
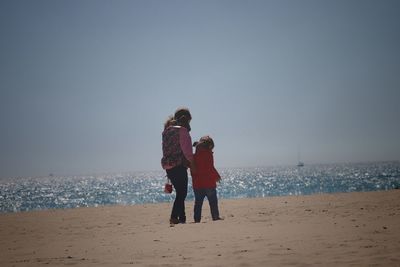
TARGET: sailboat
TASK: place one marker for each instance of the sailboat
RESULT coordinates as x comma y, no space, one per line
300,163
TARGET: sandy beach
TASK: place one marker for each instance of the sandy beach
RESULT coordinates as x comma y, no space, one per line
349,229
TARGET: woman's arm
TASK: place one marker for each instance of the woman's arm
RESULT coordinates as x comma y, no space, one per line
185,142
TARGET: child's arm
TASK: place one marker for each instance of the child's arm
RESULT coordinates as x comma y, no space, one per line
214,171
219,179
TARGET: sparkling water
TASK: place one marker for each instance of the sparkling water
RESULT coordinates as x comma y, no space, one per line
24,194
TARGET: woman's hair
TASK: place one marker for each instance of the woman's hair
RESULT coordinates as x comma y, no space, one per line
169,122
182,117
182,114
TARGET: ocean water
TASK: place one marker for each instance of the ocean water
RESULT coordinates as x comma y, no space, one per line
60,192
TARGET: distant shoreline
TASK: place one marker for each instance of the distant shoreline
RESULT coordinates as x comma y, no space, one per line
109,173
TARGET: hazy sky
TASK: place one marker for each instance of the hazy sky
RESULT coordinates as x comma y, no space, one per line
85,86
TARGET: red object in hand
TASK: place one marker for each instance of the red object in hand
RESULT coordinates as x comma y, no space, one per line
168,188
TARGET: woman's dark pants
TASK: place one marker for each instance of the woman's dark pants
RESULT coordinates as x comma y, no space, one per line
179,178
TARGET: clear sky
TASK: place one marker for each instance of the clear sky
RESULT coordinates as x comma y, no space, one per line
85,86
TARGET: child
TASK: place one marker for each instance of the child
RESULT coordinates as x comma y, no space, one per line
204,178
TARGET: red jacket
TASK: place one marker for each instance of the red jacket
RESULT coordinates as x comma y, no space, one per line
206,175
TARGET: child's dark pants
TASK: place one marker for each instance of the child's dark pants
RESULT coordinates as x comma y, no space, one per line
199,195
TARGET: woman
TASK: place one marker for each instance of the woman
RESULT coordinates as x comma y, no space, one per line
177,157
